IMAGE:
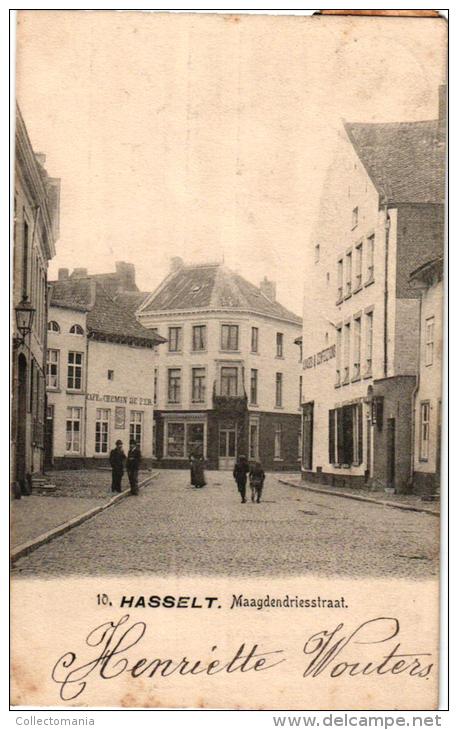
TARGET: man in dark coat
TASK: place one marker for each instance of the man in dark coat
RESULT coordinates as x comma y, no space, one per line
257,477
117,459
134,457
240,472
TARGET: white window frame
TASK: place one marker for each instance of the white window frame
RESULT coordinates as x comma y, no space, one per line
74,414
49,365
357,346
429,340
278,390
230,328
180,386
51,327
177,339
136,427
425,429
102,434
255,339
203,330
203,398
76,330
369,332
358,266
76,368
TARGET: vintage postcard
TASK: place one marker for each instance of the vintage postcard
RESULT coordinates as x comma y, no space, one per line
227,360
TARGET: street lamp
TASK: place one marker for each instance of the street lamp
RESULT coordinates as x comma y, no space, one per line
24,319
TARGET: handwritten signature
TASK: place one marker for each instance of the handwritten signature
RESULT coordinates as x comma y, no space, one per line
323,651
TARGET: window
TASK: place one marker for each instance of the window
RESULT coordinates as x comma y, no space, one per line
155,331
369,338
354,217
254,387
424,430
229,381
356,348
174,385
277,441
198,385
52,369
429,341
175,440
175,336
135,427
346,435
317,253
199,337
340,280
254,339
75,371
102,430
358,266
346,354
254,440
53,326
300,390
73,430
155,386
279,344
370,259
278,390
338,354
229,337
195,438
348,274
25,259
110,374
76,329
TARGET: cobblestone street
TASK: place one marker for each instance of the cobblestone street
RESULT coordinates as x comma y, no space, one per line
173,528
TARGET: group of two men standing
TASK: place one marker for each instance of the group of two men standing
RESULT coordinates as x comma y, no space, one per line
132,462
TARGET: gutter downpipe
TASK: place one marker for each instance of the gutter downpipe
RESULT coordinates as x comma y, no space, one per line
385,293
414,395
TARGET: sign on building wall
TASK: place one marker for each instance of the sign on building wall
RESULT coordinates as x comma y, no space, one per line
120,417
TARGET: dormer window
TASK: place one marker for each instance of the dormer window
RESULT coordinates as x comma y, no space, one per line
76,329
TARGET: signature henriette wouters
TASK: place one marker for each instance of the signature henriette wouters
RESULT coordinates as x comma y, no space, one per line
329,652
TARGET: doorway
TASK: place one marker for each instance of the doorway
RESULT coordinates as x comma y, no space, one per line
227,447
307,435
391,453
49,436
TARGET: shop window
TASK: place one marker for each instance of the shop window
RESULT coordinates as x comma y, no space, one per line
429,341
52,369
53,326
346,435
175,440
424,430
102,430
175,339
229,337
136,427
73,430
195,439
75,371
174,385
184,439
199,337
198,385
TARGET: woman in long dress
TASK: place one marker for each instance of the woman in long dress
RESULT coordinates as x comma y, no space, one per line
199,473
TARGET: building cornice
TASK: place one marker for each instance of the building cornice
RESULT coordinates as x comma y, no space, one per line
229,312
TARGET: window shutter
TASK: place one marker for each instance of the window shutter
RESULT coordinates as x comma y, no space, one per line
332,436
360,433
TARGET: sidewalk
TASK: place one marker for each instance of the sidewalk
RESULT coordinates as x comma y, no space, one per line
410,502
77,493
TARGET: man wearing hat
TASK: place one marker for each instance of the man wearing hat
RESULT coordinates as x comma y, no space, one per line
133,465
117,459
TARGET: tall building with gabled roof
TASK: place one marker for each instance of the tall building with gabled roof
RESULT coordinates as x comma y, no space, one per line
227,382
381,216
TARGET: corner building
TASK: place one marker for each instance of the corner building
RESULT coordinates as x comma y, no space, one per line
227,380
381,217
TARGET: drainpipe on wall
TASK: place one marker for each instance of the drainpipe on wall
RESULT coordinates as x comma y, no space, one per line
414,394
385,294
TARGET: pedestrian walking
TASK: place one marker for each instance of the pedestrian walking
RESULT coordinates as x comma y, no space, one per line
192,466
117,459
257,477
199,472
240,473
134,458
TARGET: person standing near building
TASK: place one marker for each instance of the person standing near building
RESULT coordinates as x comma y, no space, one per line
117,459
199,472
134,457
257,477
240,472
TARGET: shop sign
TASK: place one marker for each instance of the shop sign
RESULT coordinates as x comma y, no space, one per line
313,360
133,400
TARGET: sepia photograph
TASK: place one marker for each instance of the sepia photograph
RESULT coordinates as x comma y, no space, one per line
228,256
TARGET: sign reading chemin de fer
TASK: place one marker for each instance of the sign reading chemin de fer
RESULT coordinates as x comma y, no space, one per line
131,399
327,354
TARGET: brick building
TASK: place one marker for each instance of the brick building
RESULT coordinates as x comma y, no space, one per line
36,230
100,364
381,216
227,381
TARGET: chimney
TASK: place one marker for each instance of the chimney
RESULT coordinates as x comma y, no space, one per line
126,276
63,274
269,289
442,112
176,263
79,273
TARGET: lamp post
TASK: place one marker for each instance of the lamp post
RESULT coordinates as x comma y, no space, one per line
24,320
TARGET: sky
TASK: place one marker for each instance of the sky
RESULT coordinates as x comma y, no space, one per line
208,136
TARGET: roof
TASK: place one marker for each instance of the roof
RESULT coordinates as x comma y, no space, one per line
405,160
427,271
110,317
212,286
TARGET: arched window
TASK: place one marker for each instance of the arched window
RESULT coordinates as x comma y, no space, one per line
76,329
53,326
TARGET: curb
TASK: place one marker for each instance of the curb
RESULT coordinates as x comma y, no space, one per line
360,498
27,547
